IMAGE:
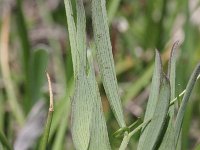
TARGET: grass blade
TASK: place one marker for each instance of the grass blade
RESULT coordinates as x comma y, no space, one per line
105,58
153,97
39,61
5,142
180,115
5,68
62,108
45,137
23,32
60,134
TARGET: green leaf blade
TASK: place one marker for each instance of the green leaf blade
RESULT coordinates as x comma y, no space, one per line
105,58
39,61
72,35
182,109
157,123
82,105
99,136
168,139
153,97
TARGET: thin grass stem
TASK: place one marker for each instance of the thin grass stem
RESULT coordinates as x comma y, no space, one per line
45,137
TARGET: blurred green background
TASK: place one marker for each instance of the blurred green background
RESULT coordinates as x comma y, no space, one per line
34,39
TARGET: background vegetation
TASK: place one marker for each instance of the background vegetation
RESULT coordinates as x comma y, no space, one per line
34,39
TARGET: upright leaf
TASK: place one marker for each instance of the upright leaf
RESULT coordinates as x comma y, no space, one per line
172,69
153,97
82,105
155,127
5,68
105,58
168,139
5,142
72,35
99,136
182,109
88,125
82,102
38,65
23,34
81,31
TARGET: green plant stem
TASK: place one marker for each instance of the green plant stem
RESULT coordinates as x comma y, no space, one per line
127,136
181,94
5,142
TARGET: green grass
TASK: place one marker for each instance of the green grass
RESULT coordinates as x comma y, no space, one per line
109,92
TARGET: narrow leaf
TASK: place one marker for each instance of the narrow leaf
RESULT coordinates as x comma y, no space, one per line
5,68
82,102
81,31
39,61
168,139
153,97
99,136
72,35
155,127
182,109
82,105
23,34
105,58
5,142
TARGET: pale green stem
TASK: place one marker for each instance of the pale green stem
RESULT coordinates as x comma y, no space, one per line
127,136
